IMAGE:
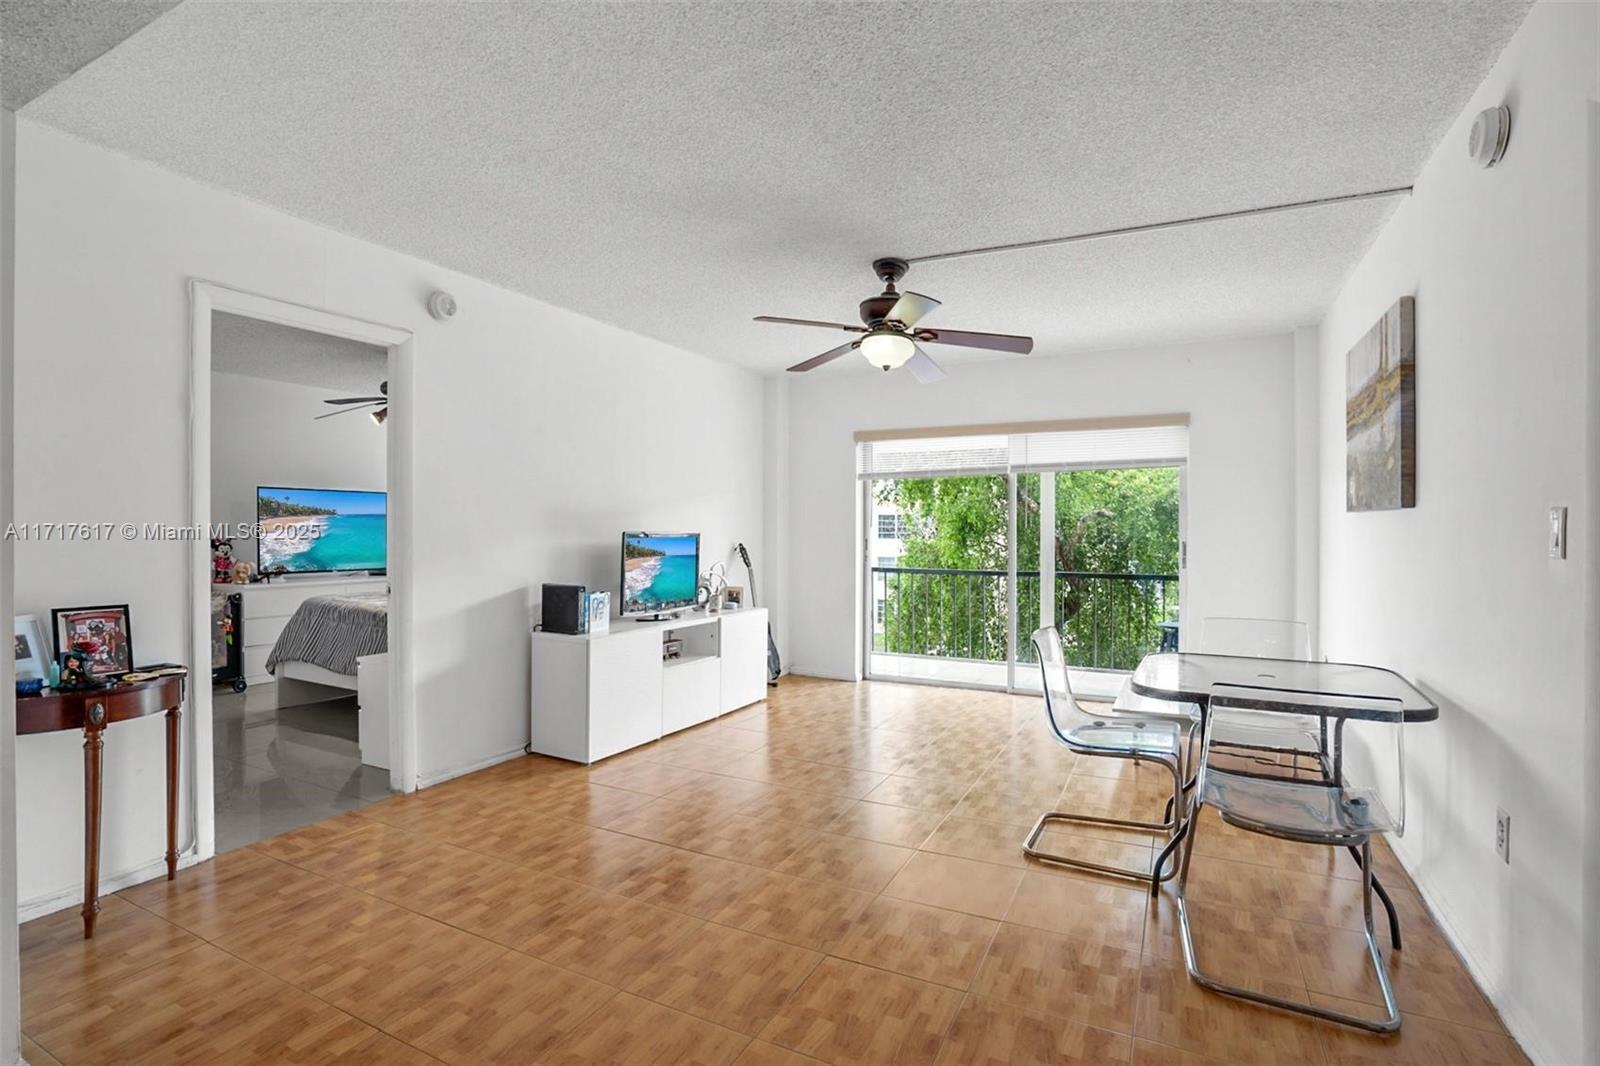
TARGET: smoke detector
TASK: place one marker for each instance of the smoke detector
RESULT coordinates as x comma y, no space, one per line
1490,132
441,305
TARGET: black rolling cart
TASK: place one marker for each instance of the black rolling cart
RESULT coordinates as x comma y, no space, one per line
227,639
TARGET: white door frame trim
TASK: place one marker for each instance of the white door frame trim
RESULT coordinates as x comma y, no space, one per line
205,298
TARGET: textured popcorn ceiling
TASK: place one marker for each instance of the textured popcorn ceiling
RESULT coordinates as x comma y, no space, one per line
44,41
257,349
677,168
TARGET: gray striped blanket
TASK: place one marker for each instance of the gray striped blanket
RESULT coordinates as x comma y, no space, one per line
331,631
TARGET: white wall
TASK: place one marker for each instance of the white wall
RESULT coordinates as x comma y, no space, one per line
1240,398
266,433
1458,593
540,436
10,992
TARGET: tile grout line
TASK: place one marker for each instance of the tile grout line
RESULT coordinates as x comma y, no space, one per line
207,942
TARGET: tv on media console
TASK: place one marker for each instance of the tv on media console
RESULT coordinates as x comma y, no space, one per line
660,572
321,531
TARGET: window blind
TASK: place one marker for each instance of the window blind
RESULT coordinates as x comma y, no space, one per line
1141,446
1000,453
926,456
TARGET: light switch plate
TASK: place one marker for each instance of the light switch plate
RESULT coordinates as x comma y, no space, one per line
1558,532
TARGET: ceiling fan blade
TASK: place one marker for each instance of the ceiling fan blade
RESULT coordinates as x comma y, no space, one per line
811,322
347,410
356,399
924,369
826,357
911,308
998,342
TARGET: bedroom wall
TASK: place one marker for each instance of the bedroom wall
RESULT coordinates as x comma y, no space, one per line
1239,395
540,435
265,433
1459,592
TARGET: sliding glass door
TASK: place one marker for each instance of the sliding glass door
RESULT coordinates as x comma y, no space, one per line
960,569
939,590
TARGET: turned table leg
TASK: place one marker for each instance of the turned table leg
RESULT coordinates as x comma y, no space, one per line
93,759
173,716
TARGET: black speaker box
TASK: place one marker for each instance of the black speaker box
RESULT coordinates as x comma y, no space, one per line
566,608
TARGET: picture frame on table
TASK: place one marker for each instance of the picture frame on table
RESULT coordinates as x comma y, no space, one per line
32,655
732,598
103,634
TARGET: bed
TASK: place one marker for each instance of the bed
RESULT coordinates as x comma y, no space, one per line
322,642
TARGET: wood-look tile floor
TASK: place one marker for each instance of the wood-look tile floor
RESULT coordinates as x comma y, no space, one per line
833,875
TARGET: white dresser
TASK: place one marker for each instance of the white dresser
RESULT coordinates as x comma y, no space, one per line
598,694
267,607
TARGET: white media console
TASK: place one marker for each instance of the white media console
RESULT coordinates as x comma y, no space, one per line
597,694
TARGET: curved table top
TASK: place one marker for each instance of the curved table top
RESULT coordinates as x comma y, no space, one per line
1188,677
55,709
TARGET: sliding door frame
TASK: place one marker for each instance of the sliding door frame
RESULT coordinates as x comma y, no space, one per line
1044,608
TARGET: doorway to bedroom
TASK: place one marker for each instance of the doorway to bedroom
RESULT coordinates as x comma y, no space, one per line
299,583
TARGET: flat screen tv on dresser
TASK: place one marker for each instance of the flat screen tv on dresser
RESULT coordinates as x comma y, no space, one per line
321,531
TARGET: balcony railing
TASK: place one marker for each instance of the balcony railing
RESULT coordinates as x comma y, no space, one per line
1107,621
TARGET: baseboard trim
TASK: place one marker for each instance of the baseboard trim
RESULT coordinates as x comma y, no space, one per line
73,897
1522,1028
429,780
801,671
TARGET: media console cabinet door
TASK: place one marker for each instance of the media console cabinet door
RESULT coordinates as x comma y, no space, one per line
624,691
744,658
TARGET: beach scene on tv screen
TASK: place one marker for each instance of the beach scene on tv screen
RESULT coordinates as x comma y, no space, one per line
310,530
658,571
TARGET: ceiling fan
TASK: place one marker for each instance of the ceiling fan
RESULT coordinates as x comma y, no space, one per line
379,405
891,336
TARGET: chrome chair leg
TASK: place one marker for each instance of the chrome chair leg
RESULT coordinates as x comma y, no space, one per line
1391,1021
1383,897
1172,827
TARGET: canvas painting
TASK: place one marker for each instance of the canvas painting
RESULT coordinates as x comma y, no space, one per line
1380,414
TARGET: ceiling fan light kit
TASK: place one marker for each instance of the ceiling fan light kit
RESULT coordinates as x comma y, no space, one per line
887,348
889,338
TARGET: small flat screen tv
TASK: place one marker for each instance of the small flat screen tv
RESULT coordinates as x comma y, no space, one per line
660,572
321,531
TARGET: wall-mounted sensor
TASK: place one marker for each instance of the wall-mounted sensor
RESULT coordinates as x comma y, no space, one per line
1490,132
441,305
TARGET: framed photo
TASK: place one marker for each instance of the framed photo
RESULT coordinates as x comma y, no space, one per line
103,634
32,653
733,597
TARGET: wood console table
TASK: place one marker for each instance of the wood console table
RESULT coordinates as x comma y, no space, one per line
91,712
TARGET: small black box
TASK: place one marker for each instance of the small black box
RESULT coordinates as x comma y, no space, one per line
566,608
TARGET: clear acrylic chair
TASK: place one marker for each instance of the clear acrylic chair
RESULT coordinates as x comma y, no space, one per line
1261,638
1358,792
1091,733
1265,638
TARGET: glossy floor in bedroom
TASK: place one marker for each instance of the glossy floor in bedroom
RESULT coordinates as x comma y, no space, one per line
833,876
276,769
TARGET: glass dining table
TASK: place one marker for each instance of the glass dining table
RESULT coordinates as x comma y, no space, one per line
1185,679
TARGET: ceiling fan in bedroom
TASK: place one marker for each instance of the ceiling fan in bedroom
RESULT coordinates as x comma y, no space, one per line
376,406
892,335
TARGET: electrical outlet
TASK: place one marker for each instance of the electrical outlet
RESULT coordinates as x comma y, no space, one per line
1502,835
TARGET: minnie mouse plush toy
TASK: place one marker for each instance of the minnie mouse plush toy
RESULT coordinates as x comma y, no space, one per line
221,560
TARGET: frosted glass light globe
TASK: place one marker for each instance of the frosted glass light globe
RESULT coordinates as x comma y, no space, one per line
887,348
